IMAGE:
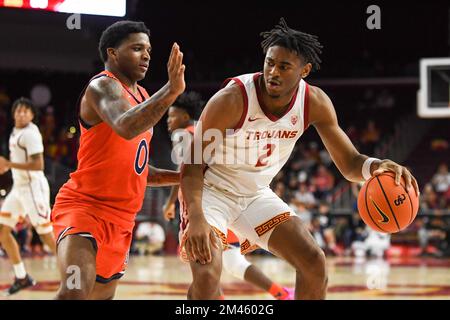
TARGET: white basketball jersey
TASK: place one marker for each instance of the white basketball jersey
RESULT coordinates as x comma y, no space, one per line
262,144
23,143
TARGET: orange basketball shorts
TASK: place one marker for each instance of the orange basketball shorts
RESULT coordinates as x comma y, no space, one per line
110,241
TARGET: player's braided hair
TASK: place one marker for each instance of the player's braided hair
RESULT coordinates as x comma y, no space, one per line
191,102
303,44
113,36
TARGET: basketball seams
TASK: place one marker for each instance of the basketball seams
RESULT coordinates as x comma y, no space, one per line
387,200
410,202
367,207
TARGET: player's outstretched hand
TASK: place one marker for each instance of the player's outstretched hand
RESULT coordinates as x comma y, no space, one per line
199,237
389,165
175,69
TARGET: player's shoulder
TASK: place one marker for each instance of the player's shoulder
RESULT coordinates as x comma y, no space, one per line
104,86
31,129
317,96
230,96
30,132
244,79
320,105
224,109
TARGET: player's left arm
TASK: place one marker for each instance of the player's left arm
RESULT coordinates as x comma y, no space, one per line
34,163
344,154
162,178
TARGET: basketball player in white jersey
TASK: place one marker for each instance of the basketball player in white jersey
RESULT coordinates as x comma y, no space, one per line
269,111
181,125
30,194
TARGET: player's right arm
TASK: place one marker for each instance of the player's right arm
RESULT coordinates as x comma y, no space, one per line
222,112
104,96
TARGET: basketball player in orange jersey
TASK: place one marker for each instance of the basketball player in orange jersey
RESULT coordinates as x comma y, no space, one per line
94,211
271,110
180,121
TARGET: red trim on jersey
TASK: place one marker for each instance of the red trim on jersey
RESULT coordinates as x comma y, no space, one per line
306,108
244,96
264,108
225,82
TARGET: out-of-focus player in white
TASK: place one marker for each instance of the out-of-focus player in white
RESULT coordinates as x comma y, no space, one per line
180,124
30,194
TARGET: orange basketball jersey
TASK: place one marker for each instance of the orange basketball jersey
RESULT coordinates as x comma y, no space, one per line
111,177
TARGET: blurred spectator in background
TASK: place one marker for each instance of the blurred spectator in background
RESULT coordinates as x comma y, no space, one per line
355,231
429,198
325,158
327,228
441,179
370,137
292,184
149,238
367,101
280,190
374,244
304,196
356,187
302,212
439,144
435,231
317,232
61,148
385,100
48,125
323,183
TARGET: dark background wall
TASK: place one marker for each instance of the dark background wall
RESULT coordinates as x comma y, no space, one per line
220,38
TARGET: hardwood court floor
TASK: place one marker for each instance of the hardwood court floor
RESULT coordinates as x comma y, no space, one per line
159,277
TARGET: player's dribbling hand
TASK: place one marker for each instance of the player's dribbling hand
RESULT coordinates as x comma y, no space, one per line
169,211
175,69
389,165
199,237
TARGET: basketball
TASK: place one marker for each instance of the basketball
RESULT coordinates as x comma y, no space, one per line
385,206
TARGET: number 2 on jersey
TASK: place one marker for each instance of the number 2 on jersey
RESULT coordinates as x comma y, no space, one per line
269,147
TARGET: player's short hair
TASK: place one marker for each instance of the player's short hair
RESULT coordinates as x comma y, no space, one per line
191,102
306,46
116,33
27,103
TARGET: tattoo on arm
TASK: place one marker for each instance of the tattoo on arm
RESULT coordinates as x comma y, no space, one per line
147,114
116,111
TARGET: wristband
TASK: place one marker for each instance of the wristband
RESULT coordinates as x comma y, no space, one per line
366,168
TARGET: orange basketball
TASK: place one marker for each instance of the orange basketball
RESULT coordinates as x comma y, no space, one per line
385,206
